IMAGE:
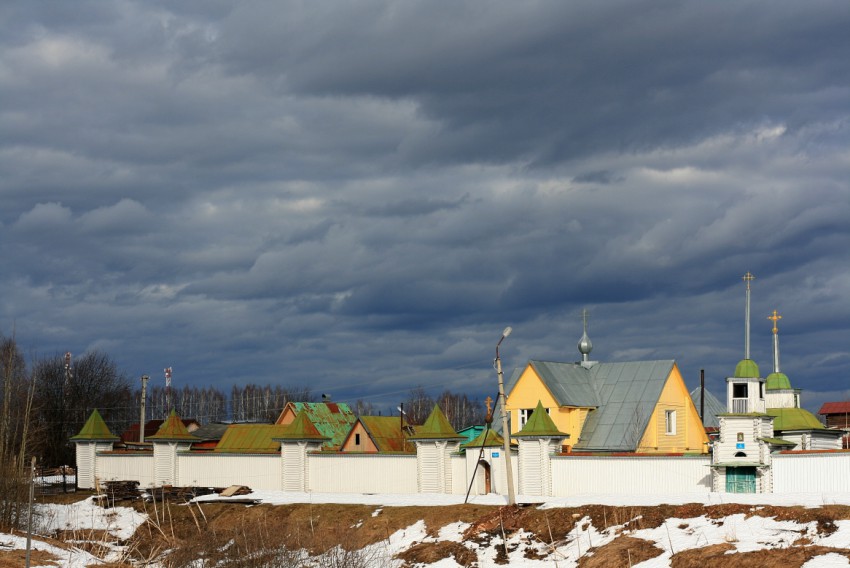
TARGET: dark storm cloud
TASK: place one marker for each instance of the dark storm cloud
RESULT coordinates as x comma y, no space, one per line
360,197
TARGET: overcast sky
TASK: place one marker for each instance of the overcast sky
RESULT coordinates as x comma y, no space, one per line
359,196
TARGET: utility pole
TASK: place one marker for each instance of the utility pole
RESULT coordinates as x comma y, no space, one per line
29,512
167,390
506,433
142,415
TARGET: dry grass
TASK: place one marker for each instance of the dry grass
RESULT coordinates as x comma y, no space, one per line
17,558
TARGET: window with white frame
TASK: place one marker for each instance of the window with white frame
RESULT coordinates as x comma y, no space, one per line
525,414
670,422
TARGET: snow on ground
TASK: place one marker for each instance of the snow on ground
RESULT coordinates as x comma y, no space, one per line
440,500
67,558
674,536
86,515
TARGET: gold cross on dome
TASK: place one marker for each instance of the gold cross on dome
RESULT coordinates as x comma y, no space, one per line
775,317
488,401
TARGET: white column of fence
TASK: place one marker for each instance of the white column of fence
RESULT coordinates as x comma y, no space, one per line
574,475
362,473
811,473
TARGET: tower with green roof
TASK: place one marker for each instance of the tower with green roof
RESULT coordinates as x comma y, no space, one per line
93,438
435,441
171,438
538,440
745,389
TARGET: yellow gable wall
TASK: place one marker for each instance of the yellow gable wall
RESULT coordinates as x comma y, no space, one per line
528,390
690,435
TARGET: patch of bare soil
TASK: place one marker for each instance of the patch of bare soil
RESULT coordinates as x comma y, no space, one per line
17,558
716,557
430,552
623,551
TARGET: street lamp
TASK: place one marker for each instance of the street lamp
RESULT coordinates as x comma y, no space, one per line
506,433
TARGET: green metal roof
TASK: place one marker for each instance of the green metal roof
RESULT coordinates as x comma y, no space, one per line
794,419
332,420
173,429
746,369
778,442
540,425
777,381
251,438
491,440
95,429
436,427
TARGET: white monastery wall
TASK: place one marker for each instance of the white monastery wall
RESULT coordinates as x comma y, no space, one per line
257,471
573,475
126,467
811,473
362,473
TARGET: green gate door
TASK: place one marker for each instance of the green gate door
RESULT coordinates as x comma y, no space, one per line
740,480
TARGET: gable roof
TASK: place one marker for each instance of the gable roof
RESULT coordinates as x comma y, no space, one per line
436,427
835,408
95,429
173,429
540,425
333,420
251,439
713,407
386,432
622,397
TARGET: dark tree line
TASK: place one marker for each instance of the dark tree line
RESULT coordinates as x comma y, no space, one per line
460,410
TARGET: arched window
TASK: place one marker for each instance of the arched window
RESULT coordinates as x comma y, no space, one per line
740,455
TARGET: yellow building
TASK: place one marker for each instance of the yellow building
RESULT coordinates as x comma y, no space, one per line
640,406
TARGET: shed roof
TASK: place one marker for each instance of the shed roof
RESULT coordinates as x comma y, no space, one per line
251,439
95,429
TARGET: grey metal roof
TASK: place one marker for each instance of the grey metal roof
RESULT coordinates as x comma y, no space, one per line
623,396
628,393
713,407
570,383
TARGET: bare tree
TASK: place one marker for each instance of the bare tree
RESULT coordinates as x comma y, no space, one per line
67,394
16,391
418,405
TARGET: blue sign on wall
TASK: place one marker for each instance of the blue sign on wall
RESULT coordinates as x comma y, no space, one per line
739,446
494,455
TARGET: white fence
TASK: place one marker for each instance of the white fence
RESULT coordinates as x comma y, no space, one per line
257,471
574,475
125,467
362,473
811,473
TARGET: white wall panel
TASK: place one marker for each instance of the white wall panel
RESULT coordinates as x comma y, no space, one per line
811,473
362,473
126,467
573,475
257,471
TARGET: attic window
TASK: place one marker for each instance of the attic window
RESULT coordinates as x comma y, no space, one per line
670,422
525,414
356,439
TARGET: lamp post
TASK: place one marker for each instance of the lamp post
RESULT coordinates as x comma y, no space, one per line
506,433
